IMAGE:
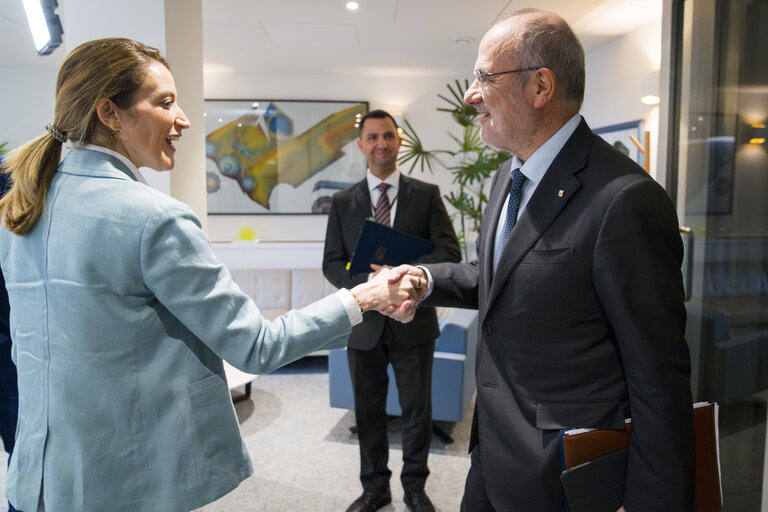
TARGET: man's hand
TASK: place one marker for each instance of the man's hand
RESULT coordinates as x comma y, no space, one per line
421,284
418,281
394,297
378,268
403,313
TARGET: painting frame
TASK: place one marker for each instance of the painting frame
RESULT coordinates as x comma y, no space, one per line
617,135
280,156
713,148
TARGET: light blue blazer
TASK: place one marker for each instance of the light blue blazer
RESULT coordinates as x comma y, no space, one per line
120,317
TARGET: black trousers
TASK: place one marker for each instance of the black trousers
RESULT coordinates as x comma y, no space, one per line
413,376
9,401
9,397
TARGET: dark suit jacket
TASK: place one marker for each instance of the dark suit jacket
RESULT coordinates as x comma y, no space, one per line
581,325
420,211
5,310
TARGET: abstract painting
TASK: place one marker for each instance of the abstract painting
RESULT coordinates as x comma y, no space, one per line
280,156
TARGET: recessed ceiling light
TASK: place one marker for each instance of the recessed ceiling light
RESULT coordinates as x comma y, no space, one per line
463,39
352,5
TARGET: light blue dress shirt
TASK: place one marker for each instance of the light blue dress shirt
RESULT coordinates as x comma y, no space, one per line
535,168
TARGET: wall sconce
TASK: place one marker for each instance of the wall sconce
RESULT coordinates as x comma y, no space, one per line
757,133
650,88
398,117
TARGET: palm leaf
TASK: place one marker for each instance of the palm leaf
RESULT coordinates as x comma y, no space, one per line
412,150
474,160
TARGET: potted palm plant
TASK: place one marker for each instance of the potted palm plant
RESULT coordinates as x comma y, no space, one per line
471,163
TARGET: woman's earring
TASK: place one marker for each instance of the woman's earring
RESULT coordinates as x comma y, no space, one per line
115,134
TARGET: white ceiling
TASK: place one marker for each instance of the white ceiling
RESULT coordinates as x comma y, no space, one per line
413,37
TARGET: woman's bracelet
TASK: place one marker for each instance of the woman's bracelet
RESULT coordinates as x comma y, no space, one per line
357,300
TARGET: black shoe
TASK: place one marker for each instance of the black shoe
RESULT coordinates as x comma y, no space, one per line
371,500
417,501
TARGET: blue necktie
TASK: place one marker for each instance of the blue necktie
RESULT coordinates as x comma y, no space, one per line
515,192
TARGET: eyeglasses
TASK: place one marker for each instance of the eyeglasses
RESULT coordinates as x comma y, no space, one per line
483,77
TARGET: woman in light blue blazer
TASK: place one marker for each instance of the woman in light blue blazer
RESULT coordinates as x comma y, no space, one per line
120,313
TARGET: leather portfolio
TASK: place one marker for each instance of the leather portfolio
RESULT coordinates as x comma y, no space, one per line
597,485
383,245
587,453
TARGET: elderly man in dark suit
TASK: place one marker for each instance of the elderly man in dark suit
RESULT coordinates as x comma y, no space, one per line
578,287
414,207
9,393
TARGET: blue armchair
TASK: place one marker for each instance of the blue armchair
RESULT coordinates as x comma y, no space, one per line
453,370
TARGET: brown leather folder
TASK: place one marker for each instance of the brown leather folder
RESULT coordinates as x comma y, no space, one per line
580,447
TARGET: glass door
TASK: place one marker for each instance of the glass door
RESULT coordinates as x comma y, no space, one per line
719,163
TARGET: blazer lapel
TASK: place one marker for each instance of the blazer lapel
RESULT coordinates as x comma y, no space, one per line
499,192
553,192
360,204
402,202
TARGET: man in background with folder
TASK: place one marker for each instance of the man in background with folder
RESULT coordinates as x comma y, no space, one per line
413,207
578,286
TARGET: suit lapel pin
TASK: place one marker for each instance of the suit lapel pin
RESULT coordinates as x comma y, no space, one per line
560,193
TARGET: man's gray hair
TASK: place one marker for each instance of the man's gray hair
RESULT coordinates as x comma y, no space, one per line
548,41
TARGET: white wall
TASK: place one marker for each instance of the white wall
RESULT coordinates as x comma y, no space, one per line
26,103
184,52
615,73
408,92
617,76
27,94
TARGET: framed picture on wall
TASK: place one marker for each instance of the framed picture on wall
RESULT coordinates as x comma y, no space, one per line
617,135
280,156
710,155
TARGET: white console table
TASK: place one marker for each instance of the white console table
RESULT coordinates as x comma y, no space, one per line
269,255
264,256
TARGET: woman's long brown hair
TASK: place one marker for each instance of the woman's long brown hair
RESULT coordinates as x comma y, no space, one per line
113,68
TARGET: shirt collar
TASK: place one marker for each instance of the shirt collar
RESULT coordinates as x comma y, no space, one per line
536,166
392,180
131,167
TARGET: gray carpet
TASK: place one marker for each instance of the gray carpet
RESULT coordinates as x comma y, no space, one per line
306,459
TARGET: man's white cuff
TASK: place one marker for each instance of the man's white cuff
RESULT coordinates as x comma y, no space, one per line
430,281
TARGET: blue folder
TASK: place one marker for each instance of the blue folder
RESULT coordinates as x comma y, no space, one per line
383,245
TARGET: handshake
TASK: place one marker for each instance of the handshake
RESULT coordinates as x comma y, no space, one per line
394,292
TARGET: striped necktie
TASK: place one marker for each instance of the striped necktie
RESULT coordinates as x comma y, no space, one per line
515,192
383,207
